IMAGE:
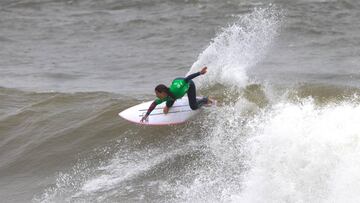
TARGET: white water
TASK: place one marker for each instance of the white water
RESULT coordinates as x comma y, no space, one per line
300,152
287,152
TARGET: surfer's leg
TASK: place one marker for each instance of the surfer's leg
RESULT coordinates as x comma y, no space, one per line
192,96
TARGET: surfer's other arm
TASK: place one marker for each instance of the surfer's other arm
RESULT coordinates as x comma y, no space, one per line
194,75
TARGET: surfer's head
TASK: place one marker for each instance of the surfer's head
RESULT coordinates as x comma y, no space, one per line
161,91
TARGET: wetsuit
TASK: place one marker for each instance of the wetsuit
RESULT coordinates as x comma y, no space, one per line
179,87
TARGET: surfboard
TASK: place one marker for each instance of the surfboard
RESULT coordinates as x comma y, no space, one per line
180,112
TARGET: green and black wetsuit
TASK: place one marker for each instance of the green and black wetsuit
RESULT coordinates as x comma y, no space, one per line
179,87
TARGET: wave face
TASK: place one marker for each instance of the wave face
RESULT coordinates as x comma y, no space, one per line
284,74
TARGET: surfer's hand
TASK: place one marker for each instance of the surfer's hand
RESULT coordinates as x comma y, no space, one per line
144,118
166,110
203,70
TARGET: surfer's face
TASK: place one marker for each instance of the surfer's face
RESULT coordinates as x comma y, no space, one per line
161,95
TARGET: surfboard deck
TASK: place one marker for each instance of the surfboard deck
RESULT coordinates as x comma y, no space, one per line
180,112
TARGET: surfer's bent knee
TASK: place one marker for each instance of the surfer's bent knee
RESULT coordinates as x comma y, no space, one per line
193,106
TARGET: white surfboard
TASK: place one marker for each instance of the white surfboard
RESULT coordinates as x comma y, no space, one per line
180,112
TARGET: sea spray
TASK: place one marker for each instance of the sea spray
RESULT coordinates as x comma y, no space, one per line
238,47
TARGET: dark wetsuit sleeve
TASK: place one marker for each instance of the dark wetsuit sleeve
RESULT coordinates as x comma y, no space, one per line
192,76
169,103
151,108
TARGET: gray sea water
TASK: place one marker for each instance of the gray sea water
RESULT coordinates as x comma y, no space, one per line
286,73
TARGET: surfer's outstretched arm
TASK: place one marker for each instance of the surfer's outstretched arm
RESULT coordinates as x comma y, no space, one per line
151,108
194,75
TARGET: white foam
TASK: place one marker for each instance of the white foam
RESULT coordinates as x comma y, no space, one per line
304,153
287,152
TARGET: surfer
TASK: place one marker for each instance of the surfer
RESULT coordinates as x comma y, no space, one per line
178,88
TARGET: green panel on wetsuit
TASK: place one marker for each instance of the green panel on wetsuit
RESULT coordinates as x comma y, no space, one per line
179,88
